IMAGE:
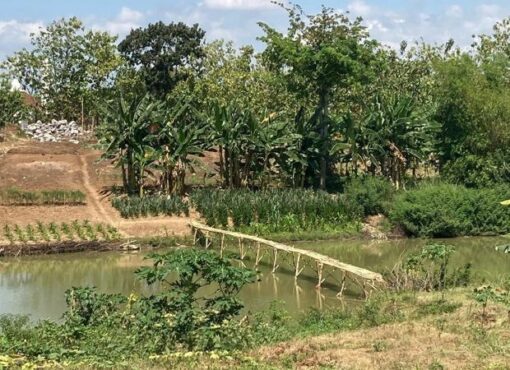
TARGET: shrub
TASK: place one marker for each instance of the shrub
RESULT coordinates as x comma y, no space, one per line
371,195
446,210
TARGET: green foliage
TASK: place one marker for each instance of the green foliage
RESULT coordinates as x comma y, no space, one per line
142,135
445,210
437,307
169,205
11,102
321,55
472,106
398,135
43,232
17,197
487,294
373,195
165,53
67,66
272,210
429,270
110,328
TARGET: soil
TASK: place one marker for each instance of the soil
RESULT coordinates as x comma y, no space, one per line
29,165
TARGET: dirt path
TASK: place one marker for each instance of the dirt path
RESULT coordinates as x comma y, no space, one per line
94,198
46,166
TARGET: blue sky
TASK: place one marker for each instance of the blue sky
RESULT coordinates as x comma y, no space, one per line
389,21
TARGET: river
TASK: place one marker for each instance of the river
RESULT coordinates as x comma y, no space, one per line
35,286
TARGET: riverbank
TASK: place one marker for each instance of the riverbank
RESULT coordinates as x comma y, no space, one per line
423,330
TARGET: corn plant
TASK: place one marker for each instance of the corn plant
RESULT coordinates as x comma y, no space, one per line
22,237
8,234
151,206
54,231
31,234
89,230
67,231
277,210
43,231
79,230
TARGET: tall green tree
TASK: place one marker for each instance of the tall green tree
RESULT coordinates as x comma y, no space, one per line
11,103
68,67
320,56
164,53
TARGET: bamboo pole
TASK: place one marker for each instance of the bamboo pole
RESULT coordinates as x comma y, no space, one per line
257,257
222,245
298,270
352,271
320,268
275,259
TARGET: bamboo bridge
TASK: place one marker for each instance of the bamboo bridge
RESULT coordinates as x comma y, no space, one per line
323,265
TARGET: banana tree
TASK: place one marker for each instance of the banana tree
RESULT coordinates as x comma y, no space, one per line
398,135
182,137
232,129
124,132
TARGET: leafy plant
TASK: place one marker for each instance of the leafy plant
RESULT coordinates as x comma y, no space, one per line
446,210
429,270
193,316
8,234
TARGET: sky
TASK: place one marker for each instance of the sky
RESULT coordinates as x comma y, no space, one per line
389,21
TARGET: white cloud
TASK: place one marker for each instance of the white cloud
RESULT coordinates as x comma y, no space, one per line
359,7
489,9
124,22
455,11
15,35
15,31
238,4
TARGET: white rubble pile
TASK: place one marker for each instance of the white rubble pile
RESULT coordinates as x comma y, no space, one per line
53,131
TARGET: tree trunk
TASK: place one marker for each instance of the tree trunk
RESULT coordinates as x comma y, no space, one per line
324,132
131,174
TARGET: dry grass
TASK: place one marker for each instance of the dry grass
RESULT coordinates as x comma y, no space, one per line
451,341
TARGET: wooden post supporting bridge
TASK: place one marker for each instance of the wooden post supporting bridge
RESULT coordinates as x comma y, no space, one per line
342,272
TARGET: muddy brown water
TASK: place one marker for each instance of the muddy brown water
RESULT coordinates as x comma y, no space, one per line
35,286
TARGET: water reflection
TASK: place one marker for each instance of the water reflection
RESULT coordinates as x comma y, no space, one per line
36,285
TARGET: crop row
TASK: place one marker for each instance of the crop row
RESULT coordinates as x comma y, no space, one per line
131,207
287,210
53,232
17,197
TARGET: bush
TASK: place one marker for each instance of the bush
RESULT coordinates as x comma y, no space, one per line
446,210
370,194
478,171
